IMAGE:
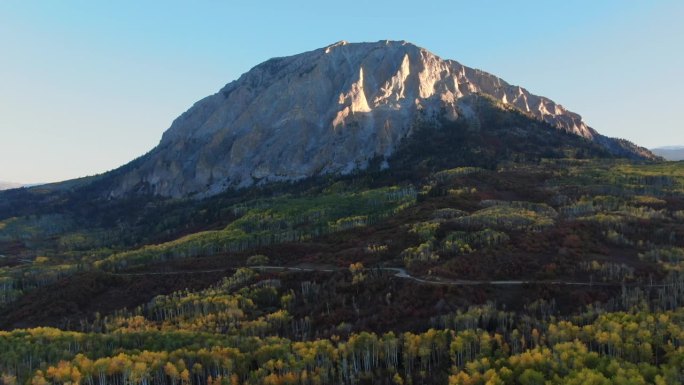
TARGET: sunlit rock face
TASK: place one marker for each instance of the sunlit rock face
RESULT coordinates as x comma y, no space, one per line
326,111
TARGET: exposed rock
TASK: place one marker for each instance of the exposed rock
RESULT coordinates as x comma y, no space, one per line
326,111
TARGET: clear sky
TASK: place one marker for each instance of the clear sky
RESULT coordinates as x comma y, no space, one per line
86,86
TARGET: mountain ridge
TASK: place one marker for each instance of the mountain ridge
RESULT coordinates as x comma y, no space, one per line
672,153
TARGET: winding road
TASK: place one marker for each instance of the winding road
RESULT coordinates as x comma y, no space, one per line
403,274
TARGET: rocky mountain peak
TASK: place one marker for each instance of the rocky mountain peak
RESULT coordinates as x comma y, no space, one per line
330,110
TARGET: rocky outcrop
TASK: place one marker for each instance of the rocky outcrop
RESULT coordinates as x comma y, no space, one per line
326,111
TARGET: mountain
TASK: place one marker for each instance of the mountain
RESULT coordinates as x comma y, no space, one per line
473,239
670,152
329,111
9,185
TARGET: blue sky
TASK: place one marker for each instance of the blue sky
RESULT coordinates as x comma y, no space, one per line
86,86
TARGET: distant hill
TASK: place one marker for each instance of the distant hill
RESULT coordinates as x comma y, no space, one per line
670,152
9,185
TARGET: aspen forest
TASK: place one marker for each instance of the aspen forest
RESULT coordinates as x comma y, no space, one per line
555,266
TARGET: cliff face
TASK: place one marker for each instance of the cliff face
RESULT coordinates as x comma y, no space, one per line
324,111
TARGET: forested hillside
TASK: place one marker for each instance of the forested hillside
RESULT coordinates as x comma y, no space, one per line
488,254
